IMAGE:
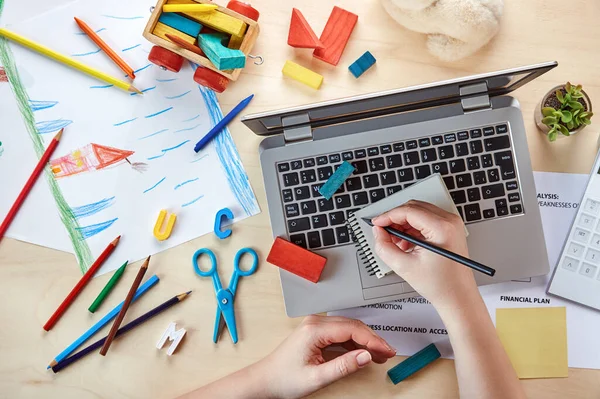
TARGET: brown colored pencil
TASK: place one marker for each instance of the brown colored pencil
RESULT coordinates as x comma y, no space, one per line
102,44
126,303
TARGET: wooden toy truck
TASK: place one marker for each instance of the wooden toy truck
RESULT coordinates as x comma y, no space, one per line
170,55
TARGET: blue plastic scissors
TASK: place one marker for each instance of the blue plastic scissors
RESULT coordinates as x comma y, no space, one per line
226,296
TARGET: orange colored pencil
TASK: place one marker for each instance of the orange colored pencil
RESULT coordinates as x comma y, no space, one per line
183,44
81,284
102,44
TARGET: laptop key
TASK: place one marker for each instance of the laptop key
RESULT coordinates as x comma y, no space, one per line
502,211
479,177
428,155
464,180
360,198
449,182
373,151
492,191
296,165
473,194
342,201
387,177
424,142
308,176
308,207
513,197
325,204
309,162
489,213
462,135
336,218
298,239
292,210
393,189
300,224
473,163
493,175
353,184
328,237
472,212
475,133
360,153
333,158
347,156
324,172
411,158
457,166
377,195
435,140
385,149
370,181
476,147
319,221
497,143
440,167
446,152
360,167
516,208
504,160
321,160
342,234
450,138
398,147
486,160
460,212
458,197
462,149
376,164
290,179
500,129
488,131
511,185
405,175
283,167
394,161
422,171
409,184
302,193
500,203
314,239
411,145
315,190
287,195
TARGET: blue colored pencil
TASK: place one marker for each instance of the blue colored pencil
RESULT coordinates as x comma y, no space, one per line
221,125
103,321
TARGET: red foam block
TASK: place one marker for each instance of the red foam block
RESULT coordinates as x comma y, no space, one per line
297,260
335,36
301,34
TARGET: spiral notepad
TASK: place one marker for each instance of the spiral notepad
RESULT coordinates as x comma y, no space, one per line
431,189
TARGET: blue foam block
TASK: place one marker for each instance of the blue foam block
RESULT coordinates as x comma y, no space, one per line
363,63
180,23
413,364
336,180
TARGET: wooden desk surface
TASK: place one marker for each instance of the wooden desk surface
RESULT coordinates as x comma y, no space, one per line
33,280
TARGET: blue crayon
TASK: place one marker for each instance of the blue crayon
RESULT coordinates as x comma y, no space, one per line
336,180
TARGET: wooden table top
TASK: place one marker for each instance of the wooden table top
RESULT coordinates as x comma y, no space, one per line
33,280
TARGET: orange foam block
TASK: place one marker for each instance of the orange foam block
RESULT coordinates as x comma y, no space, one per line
335,36
297,260
301,34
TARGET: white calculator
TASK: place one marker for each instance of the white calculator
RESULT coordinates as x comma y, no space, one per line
576,276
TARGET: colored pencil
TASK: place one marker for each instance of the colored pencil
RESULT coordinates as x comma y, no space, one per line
440,251
81,284
126,328
68,61
30,183
151,282
108,288
224,122
126,303
185,45
189,7
104,47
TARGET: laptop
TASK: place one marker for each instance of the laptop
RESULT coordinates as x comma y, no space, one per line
469,130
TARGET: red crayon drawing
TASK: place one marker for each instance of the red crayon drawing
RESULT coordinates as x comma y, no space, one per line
3,77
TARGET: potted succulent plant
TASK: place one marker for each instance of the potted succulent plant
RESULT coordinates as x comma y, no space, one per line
564,110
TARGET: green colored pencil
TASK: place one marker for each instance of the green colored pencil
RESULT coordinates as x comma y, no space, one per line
108,288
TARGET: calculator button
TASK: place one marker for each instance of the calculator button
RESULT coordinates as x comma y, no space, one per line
592,206
596,241
592,256
581,236
588,270
575,250
570,264
586,221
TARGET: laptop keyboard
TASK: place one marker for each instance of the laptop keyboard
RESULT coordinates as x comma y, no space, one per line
477,166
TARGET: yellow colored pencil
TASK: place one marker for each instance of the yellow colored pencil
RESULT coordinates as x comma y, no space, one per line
68,61
189,7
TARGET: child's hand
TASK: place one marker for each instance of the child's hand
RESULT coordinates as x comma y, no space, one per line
442,281
297,367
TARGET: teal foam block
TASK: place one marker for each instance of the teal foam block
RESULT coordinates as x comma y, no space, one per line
336,180
363,63
180,23
413,364
223,58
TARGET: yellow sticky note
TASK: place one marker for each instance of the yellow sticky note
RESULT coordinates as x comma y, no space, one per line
535,340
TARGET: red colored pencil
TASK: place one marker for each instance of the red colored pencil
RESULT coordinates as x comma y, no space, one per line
81,284
30,183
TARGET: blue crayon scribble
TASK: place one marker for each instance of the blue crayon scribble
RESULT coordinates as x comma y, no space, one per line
40,105
165,150
92,230
119,17
191,119
93,208
153,134
124,122
191,202
101,87
188,129
185,182
143,91
158,113
156,156
166,80
142,68
131,48
84,54
46,127
154,186
83,33
199,159
178,96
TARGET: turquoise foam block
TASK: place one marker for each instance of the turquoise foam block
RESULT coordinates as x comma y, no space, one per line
413,364
223,58
180,23
363,63
336,180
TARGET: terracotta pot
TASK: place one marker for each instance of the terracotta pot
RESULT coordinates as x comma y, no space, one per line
538,112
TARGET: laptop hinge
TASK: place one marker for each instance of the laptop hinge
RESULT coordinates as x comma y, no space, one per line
475,97
296,128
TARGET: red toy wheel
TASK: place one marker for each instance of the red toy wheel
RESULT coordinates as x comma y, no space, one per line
244,8
165,59
211,79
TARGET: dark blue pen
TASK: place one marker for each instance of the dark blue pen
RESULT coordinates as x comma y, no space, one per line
221,125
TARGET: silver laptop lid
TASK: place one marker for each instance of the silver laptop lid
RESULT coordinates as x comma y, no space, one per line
467,90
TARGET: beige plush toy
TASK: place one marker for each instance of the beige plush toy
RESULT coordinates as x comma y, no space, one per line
455,28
